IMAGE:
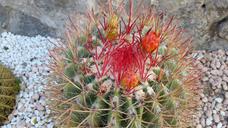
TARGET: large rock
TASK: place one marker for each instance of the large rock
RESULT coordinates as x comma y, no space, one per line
206,20
44,17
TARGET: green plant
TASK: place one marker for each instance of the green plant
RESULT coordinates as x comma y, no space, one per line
125,71
9,88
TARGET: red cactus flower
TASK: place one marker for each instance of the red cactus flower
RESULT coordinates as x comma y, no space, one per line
129,80
151,42
125,51
123,59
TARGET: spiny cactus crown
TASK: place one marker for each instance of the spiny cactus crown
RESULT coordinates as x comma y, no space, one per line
130,70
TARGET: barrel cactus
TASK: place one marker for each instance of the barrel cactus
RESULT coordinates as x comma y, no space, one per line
130,69
9,88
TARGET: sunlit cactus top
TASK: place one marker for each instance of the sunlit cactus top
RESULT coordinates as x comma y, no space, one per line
128,44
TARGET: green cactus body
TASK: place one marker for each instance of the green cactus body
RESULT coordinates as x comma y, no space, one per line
9,88
128,81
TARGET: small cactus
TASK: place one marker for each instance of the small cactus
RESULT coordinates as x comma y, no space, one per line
133,70
9,88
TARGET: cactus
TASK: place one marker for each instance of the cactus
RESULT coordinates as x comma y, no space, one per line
128,70
9,88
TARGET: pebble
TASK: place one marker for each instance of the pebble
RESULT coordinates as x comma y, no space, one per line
199,126
226,95
225,78
209,121
208,113
216,118
205,79
39,107
202,122
219,125
205,99
215,72
224,86
35,97
219,100
218,64
226,72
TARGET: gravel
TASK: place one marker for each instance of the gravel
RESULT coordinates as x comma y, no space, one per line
214,100
28,59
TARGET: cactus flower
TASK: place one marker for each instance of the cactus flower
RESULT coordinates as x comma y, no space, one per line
151,42
129,80
112,28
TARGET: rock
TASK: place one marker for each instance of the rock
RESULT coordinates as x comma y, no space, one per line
219,125
208,113
225,102
35,97
39,107
223,33
205,79
222,113
4,17
199,126
216,118
204,69
20,107
218,64
214,111
34,121
218,106
202,122
47,18
209,121
218,82
203,19
204,99
224,86
225,78
219,100
226,95
226,72
215,72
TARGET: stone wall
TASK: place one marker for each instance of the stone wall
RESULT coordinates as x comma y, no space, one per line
44,17
206,20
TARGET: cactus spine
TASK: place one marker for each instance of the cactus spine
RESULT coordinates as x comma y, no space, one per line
9,87
137,76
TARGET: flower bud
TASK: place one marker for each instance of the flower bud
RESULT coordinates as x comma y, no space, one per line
112,28
151,42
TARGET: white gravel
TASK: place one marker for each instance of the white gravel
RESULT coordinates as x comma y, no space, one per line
28,59
214,107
